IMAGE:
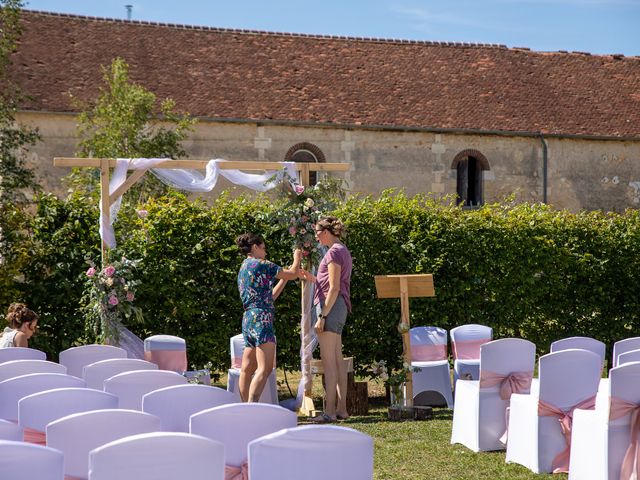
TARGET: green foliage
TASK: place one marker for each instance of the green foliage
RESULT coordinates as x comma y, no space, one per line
15,178
120,125
526,270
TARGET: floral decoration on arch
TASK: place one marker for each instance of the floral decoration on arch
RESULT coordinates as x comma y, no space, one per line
303,207
110,295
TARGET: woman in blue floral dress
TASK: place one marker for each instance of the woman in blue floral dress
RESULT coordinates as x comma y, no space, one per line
255,282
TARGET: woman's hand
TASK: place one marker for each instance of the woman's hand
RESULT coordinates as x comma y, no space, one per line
319,326
308,276
297,257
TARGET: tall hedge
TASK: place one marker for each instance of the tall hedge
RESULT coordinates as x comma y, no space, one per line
525,270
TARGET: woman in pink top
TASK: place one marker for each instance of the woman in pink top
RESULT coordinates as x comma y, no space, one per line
332,303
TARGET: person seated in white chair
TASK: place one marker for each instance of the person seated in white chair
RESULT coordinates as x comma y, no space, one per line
23,325
255,282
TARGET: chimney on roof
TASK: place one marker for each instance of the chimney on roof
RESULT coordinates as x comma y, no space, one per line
129,9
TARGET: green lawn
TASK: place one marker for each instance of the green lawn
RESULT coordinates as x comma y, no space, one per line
420,449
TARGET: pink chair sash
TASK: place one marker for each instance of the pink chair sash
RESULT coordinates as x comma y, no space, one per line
175,360
428,353
468,349
514,382
31,435
236,473
561,461
630,469
236,362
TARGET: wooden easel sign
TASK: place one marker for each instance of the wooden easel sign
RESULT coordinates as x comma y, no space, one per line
404,287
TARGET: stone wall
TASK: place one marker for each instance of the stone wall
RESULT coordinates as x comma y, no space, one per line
582,174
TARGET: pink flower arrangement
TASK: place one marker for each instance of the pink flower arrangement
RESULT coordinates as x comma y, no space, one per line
302,208
111,294
142,214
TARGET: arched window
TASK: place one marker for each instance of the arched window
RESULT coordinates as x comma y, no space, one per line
469,165
306,152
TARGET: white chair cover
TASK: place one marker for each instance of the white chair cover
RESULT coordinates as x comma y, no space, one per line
96,373
25,461
37,410
434,375
628,357
130,387
13,389
10,431
238,424
468,338
158,456
599,443
76,358
76,435
624,346
21,353
479,416
17,368
343,453
585,343
175,405
270,392
567,378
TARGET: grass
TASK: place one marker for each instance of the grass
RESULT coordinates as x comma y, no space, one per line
417,450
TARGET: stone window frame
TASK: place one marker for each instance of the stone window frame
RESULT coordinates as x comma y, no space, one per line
310,148
461,166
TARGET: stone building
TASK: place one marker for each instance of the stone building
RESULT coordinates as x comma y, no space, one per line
482,121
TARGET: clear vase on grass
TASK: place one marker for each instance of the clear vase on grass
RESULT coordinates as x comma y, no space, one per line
396,395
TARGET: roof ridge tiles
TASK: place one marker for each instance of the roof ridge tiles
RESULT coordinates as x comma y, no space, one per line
265,32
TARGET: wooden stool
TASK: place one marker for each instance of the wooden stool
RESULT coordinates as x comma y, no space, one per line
357,392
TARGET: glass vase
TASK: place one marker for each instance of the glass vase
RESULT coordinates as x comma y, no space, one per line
396,395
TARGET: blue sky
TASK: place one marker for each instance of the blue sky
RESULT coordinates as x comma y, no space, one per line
596,26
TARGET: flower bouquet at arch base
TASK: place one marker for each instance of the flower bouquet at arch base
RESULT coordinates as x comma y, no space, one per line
109,298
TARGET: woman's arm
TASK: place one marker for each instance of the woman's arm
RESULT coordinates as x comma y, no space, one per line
332,295
287,274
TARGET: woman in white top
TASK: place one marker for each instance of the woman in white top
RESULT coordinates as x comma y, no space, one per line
23,324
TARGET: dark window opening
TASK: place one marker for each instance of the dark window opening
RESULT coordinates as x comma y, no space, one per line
469,182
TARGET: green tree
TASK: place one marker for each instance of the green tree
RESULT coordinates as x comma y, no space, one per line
15,178
125,123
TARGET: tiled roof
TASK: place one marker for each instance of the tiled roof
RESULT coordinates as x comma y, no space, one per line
241,74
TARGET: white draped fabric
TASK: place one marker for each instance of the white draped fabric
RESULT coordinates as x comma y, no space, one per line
194,181
189,180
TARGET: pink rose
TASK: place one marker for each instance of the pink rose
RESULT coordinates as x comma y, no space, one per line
130,296
142,214
91,272
113,300
304,218
109,271
292,230
299,189
307,244
305,253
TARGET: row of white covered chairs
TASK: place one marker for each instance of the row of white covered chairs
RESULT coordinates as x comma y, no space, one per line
80,435
283,455
430,358
573,421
